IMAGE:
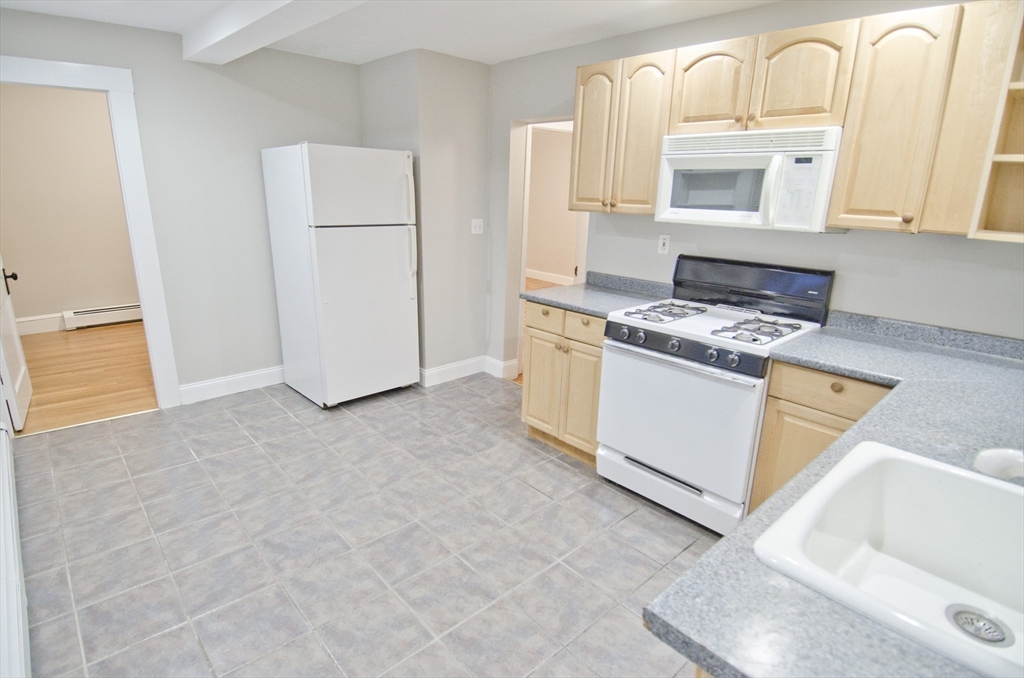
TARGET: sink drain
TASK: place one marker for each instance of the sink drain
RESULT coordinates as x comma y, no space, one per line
979,625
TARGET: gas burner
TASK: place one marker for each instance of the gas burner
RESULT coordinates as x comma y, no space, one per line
757,330
665,312
648,316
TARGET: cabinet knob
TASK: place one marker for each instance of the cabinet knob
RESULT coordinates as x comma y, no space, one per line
604,203
585,321
837,387
907,218
565,349
751,118
738,118
615,203
558,347
544,311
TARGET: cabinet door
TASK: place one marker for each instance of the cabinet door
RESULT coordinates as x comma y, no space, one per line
802,76
892,121
581,383
711,86
792,436
644,95
593,136
542,380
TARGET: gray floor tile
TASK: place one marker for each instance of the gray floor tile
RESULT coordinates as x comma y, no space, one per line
563,665
600,505
219,442
293,446
462,524
76,453
514,456
38,518
32,489
405,394
48,594
447,594
101,501
386,470
385,418
500,641
313,467
264,517
427,406
375,637
367,404
365,519
112,572
332,493
619,645
341,431
89,476
649,590
31,464
242,399
247,414
512,500
507,558
423,493
561,602
82,540
245,630
140,420
278,391
54,648
205,425
42,552
332,587
438,450
366,449
291,550
181,509
159,458
114,624
478,437
613,565
254,486
433,661
685,560
193,410
75,434
472,475
404,552
134,440
172,653
271,429
205,539
31,443
309,414
453,422
301,658
235,463
171,481
222,579
657,536
556,530
554,478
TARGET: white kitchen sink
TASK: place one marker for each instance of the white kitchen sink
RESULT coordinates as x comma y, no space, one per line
916,545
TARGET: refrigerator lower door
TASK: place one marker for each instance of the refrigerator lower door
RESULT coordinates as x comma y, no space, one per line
366,289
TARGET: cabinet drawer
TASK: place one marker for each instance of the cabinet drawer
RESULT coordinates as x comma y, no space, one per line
544,317
585,328
841,396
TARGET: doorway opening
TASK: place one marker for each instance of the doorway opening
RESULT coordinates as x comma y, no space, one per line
554,239
64,234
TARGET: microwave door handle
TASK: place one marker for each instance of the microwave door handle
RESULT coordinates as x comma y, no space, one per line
772,176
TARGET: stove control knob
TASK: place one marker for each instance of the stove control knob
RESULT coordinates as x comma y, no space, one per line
674,345
624,333
711,355
733,359
641,337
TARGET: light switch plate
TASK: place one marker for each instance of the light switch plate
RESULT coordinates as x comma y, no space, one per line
663,241
476,226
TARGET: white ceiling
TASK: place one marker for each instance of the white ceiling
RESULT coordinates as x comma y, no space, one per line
356,32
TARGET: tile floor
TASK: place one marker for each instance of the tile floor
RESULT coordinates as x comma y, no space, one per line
415,533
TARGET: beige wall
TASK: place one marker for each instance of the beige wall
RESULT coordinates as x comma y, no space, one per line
551,227
62,224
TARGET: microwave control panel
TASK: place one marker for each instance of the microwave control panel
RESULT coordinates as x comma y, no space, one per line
798,191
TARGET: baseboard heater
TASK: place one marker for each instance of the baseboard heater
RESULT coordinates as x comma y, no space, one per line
91,317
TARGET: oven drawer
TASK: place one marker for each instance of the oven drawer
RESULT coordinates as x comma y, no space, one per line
841,396
585,328
545,317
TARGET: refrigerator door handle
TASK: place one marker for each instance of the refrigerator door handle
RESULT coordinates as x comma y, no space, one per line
411,188
412,262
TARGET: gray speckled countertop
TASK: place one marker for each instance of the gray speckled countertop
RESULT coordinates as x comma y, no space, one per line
601,294
735,616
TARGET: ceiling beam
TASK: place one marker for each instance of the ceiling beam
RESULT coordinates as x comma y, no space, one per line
244,26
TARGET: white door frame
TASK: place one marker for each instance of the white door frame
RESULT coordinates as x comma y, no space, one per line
117,83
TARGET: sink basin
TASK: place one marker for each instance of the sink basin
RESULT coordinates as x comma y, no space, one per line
930,550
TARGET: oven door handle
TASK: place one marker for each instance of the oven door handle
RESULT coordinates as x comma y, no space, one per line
682,363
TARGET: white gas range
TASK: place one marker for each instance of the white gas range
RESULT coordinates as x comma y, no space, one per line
683,382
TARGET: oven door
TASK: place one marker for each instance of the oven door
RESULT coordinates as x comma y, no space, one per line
694,423
719,190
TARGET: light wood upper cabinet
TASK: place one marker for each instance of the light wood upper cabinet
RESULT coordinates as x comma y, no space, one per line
593,135
646,85
802,76
711,87
581,385
892,121
542,380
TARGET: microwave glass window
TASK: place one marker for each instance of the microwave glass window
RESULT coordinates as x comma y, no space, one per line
726,190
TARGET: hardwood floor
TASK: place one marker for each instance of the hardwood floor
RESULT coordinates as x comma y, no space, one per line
87,375
534,284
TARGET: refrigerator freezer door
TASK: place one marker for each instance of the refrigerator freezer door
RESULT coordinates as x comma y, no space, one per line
348,186
367,294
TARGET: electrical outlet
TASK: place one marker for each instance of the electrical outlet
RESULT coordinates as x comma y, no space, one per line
663,240
476,226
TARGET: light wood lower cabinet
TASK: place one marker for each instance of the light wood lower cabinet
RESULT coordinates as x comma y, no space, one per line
807,411
562,376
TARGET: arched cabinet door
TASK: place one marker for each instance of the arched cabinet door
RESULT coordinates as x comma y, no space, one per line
802,76
644,93
711,87
593,136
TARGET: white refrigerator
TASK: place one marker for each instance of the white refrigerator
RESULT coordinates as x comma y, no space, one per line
343,239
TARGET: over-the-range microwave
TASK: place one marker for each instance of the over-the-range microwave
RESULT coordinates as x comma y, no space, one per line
780,179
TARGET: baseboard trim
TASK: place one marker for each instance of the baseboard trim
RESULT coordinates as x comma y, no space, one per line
37,324
550,277
235,383
463,368
506,370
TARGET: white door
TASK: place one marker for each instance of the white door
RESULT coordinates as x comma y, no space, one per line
366,280
17,387
348,186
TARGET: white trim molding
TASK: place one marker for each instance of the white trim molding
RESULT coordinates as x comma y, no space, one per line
496,368
124,123
235,383
463,368
38,324
550,277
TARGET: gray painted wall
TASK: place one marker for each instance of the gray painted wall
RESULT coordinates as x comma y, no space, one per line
202,128
941,280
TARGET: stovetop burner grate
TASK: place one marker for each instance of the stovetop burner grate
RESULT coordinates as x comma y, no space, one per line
666,311
757,330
